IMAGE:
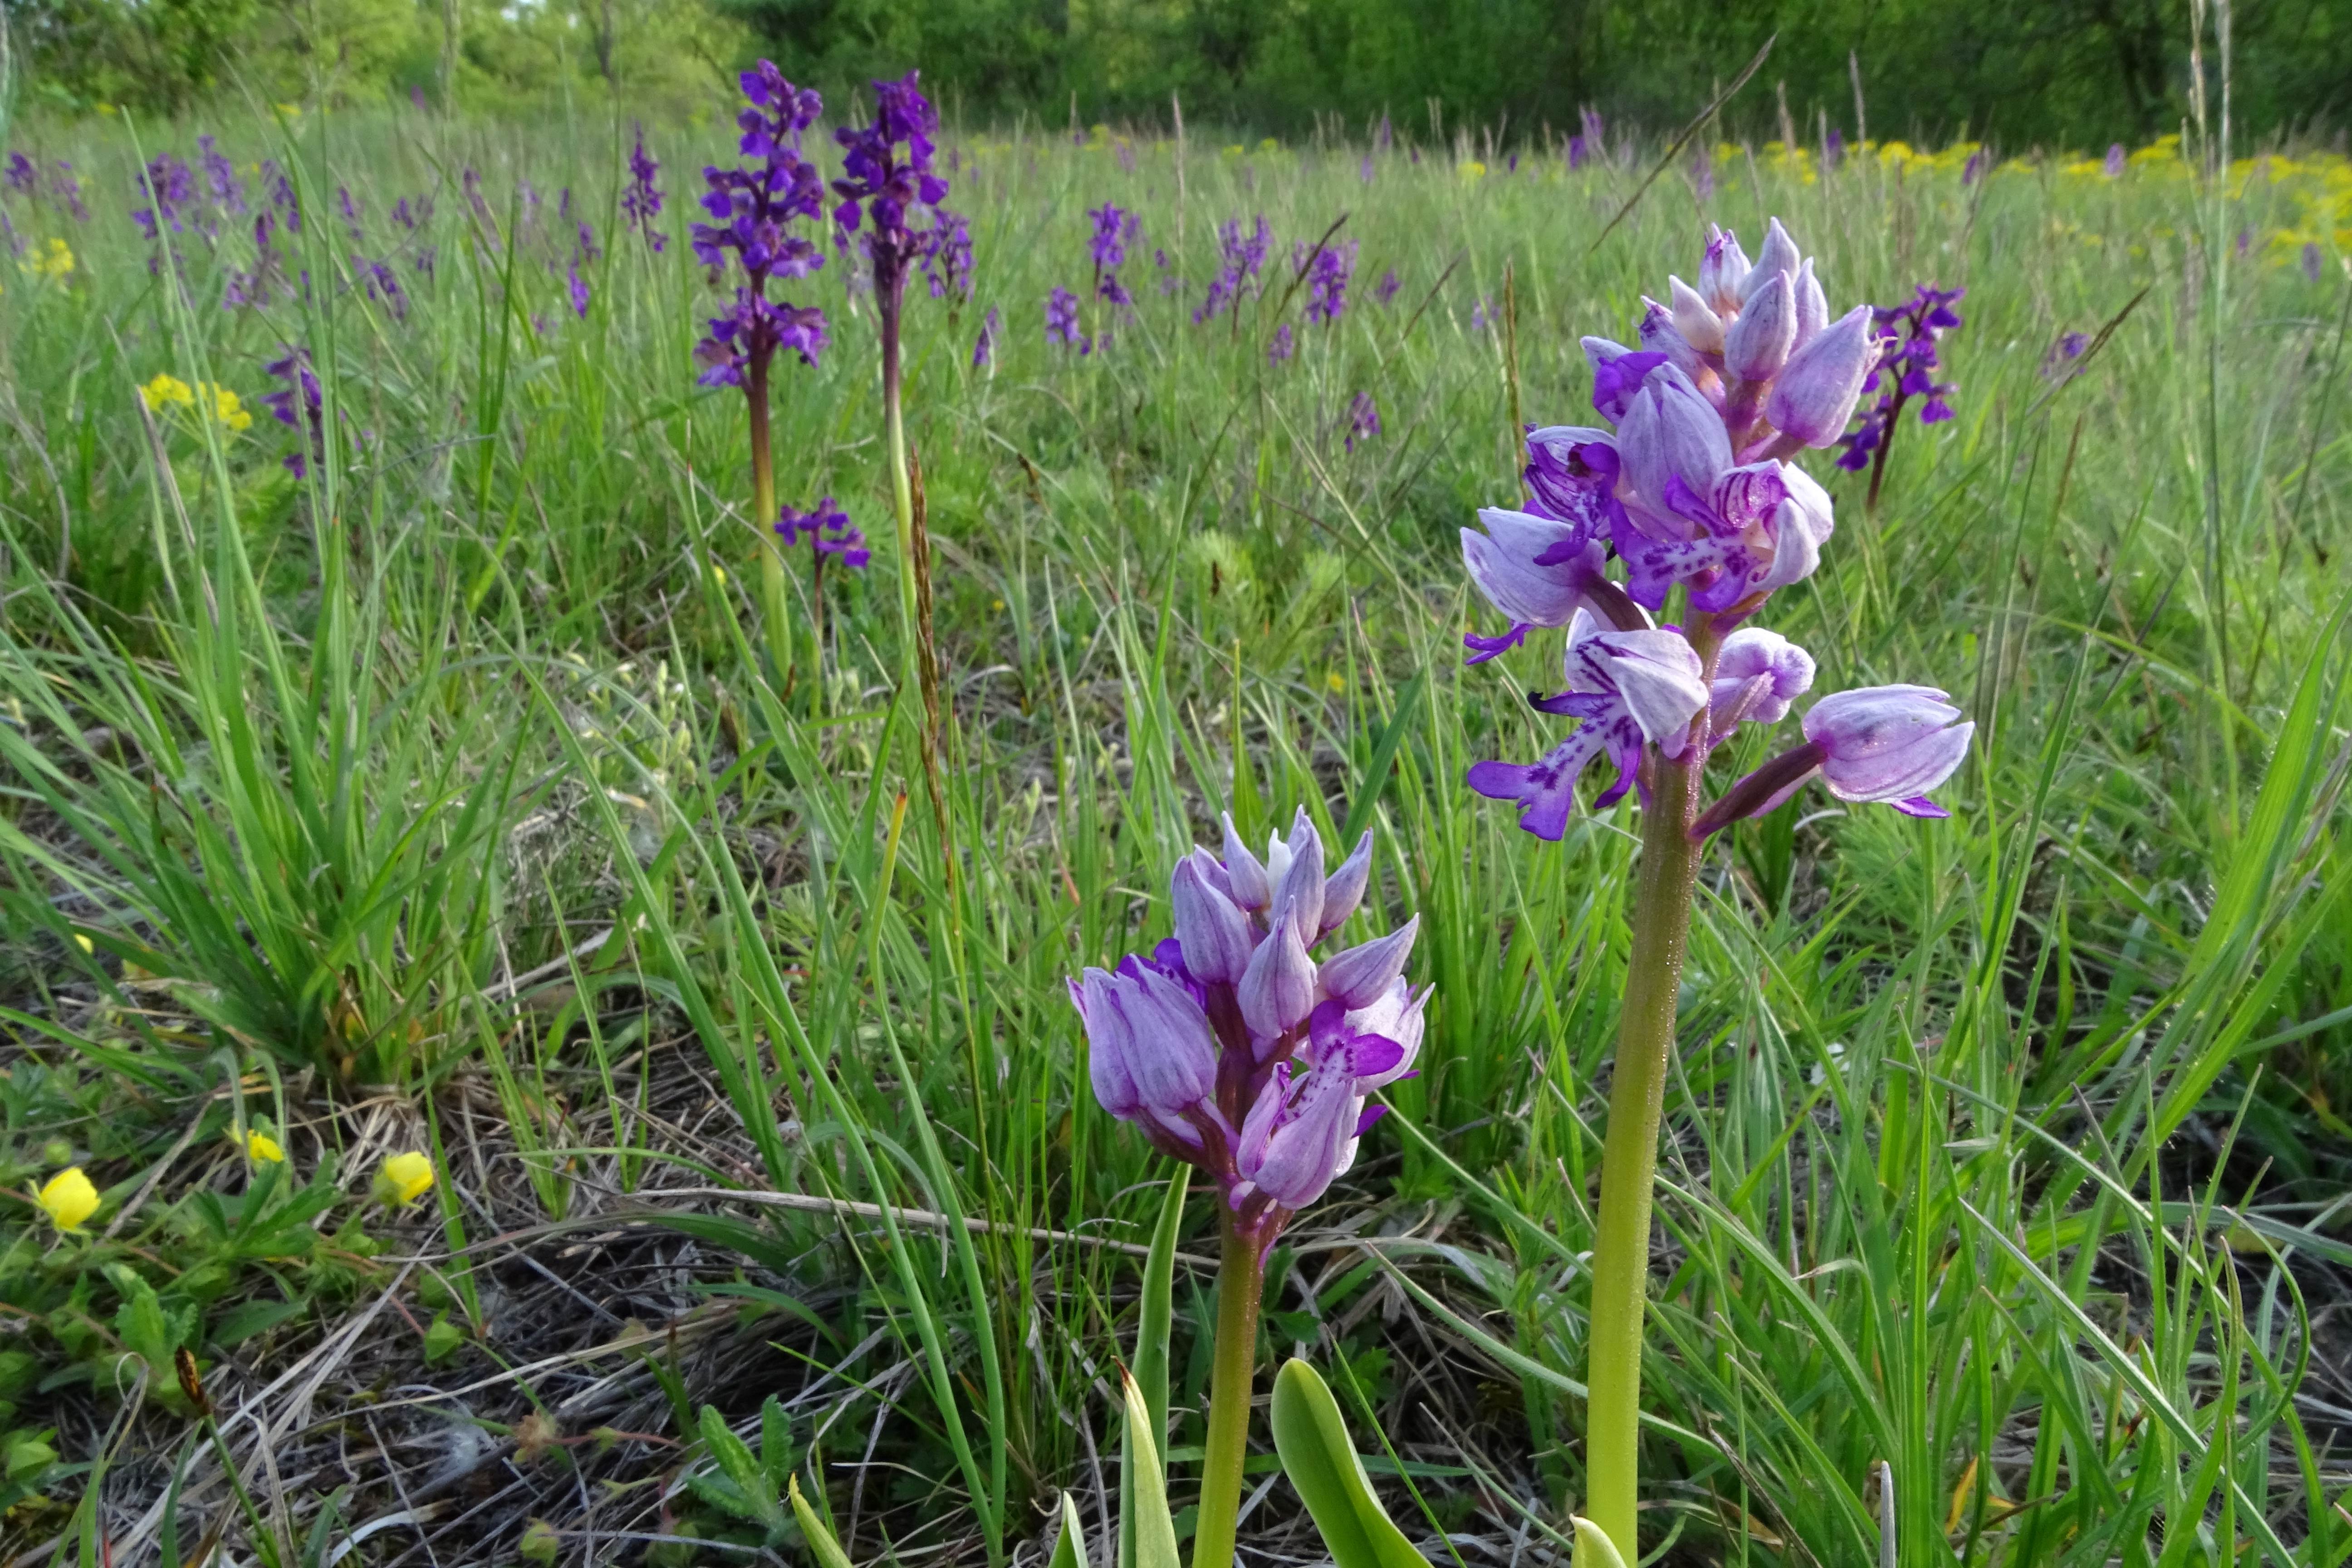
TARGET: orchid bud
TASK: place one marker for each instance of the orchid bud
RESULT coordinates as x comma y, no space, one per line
1174,1059
1301,886
1362,975
1214,935
1277,867
1757,674
1670,430
1660,335
1722,272
1779,259
1252,890
1814,398
1700,326
1110,1043
1888,744
1757,345
1277,990
1344,889
1812,306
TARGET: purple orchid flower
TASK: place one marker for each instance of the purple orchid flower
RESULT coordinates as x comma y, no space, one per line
1233,1049
752,207
1693,490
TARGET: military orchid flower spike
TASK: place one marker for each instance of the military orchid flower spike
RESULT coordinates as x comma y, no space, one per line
1233,1047
1694,489
1690,490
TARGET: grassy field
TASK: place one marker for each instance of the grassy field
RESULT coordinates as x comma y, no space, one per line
464,795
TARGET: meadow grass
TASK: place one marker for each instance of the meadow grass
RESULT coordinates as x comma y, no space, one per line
459,794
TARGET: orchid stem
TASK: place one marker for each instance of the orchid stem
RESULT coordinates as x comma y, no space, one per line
1241,1276
773,595
902,492
1667,873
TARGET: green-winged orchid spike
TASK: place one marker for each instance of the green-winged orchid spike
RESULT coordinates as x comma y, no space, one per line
1070,1546
1155,1318
1593,1547
1155,1531
828,1551
1312,1439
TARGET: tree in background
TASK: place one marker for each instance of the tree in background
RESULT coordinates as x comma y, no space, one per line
2058,73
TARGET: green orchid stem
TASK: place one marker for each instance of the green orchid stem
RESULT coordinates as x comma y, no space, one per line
902,490
772,594
1241,1276
1664,879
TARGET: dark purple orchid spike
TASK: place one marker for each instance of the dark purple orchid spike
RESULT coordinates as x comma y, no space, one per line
893,192
753,207
1905,371
1327,282
641,202
1241,260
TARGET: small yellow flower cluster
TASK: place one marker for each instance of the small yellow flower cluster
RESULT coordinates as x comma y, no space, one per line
1797,162
1473,172
52,259
169,390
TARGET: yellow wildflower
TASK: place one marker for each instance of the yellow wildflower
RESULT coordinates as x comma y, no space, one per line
52,259
68,1199
167,388
228,409
403,1179
1473,172
261,1147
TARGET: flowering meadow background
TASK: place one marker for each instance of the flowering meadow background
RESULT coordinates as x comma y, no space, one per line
404,758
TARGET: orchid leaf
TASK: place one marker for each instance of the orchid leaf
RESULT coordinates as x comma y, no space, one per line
1312,1439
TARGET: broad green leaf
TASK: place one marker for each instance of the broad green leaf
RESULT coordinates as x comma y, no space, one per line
1155,1531
829,1554
1593,1547
1312,1439
1070,1546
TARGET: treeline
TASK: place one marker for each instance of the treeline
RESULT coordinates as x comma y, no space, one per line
2057,73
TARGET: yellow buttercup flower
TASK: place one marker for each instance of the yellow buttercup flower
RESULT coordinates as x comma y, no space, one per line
167,388
1473,170
68,1198
262,1147
403,1179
